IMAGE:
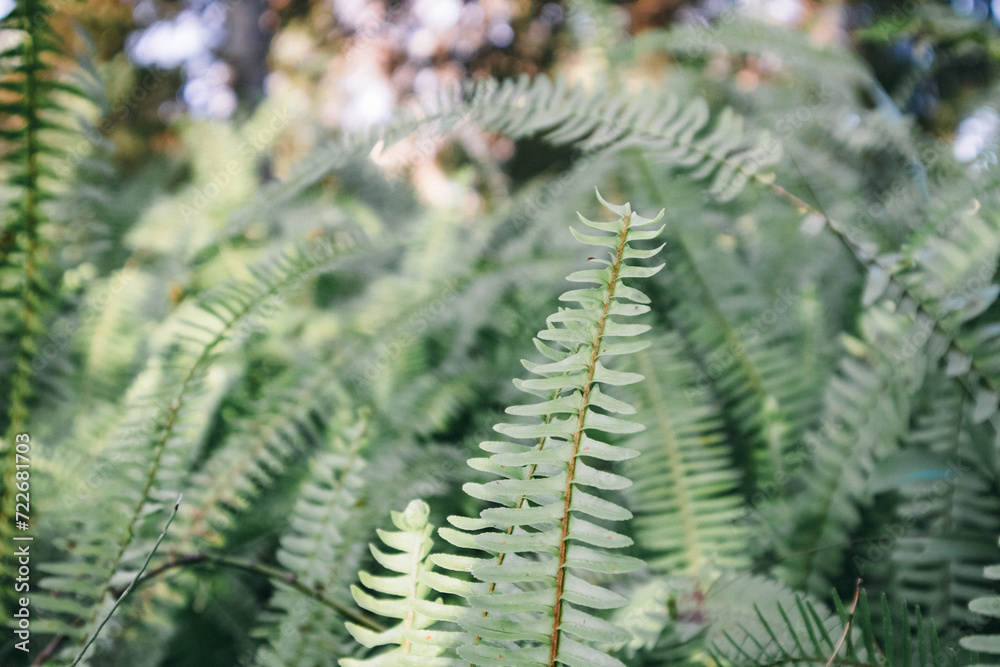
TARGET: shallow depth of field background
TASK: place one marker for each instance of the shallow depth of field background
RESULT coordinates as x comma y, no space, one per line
206,125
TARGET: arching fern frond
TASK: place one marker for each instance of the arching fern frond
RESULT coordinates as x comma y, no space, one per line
671,132
599,121
935,283
752,344
283,423
536,608
755,383
158,435
947,507
949,273
866,412
34,118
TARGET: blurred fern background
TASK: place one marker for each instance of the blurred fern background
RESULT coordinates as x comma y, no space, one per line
284,258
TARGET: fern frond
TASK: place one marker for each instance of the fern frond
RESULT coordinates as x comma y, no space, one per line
111,338
322,550
34,120
948,292
949,273
159,434
947,507
866,412
35,123
418,644
598,123
686,489
666,625
951,268
776,622
989,607
282,424
671,132
754,342
755,379
791,629
534,609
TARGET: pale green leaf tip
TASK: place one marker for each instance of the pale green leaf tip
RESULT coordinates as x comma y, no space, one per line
414,517
638,220
622,210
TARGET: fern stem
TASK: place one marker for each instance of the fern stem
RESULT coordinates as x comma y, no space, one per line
274,574
411,616
733,343
577,434
847,626
129,588
677,464
844,237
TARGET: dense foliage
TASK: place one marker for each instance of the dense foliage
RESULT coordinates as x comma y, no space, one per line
257,411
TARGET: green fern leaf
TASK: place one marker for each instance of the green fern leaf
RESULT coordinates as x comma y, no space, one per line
990,607
686,487
597,122
158,435
947,506
866,413
321,550
535,607
666,625
35,121
284,423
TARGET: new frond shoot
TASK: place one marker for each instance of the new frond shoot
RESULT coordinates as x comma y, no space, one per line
416,643
539,601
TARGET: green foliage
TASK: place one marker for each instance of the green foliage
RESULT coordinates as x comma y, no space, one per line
38,115
687,507
816,401
594,122
789,629
321,551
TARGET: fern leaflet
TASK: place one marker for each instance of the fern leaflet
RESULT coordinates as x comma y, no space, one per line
987,606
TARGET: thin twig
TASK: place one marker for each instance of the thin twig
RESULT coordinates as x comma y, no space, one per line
847,626
128,590
279,576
